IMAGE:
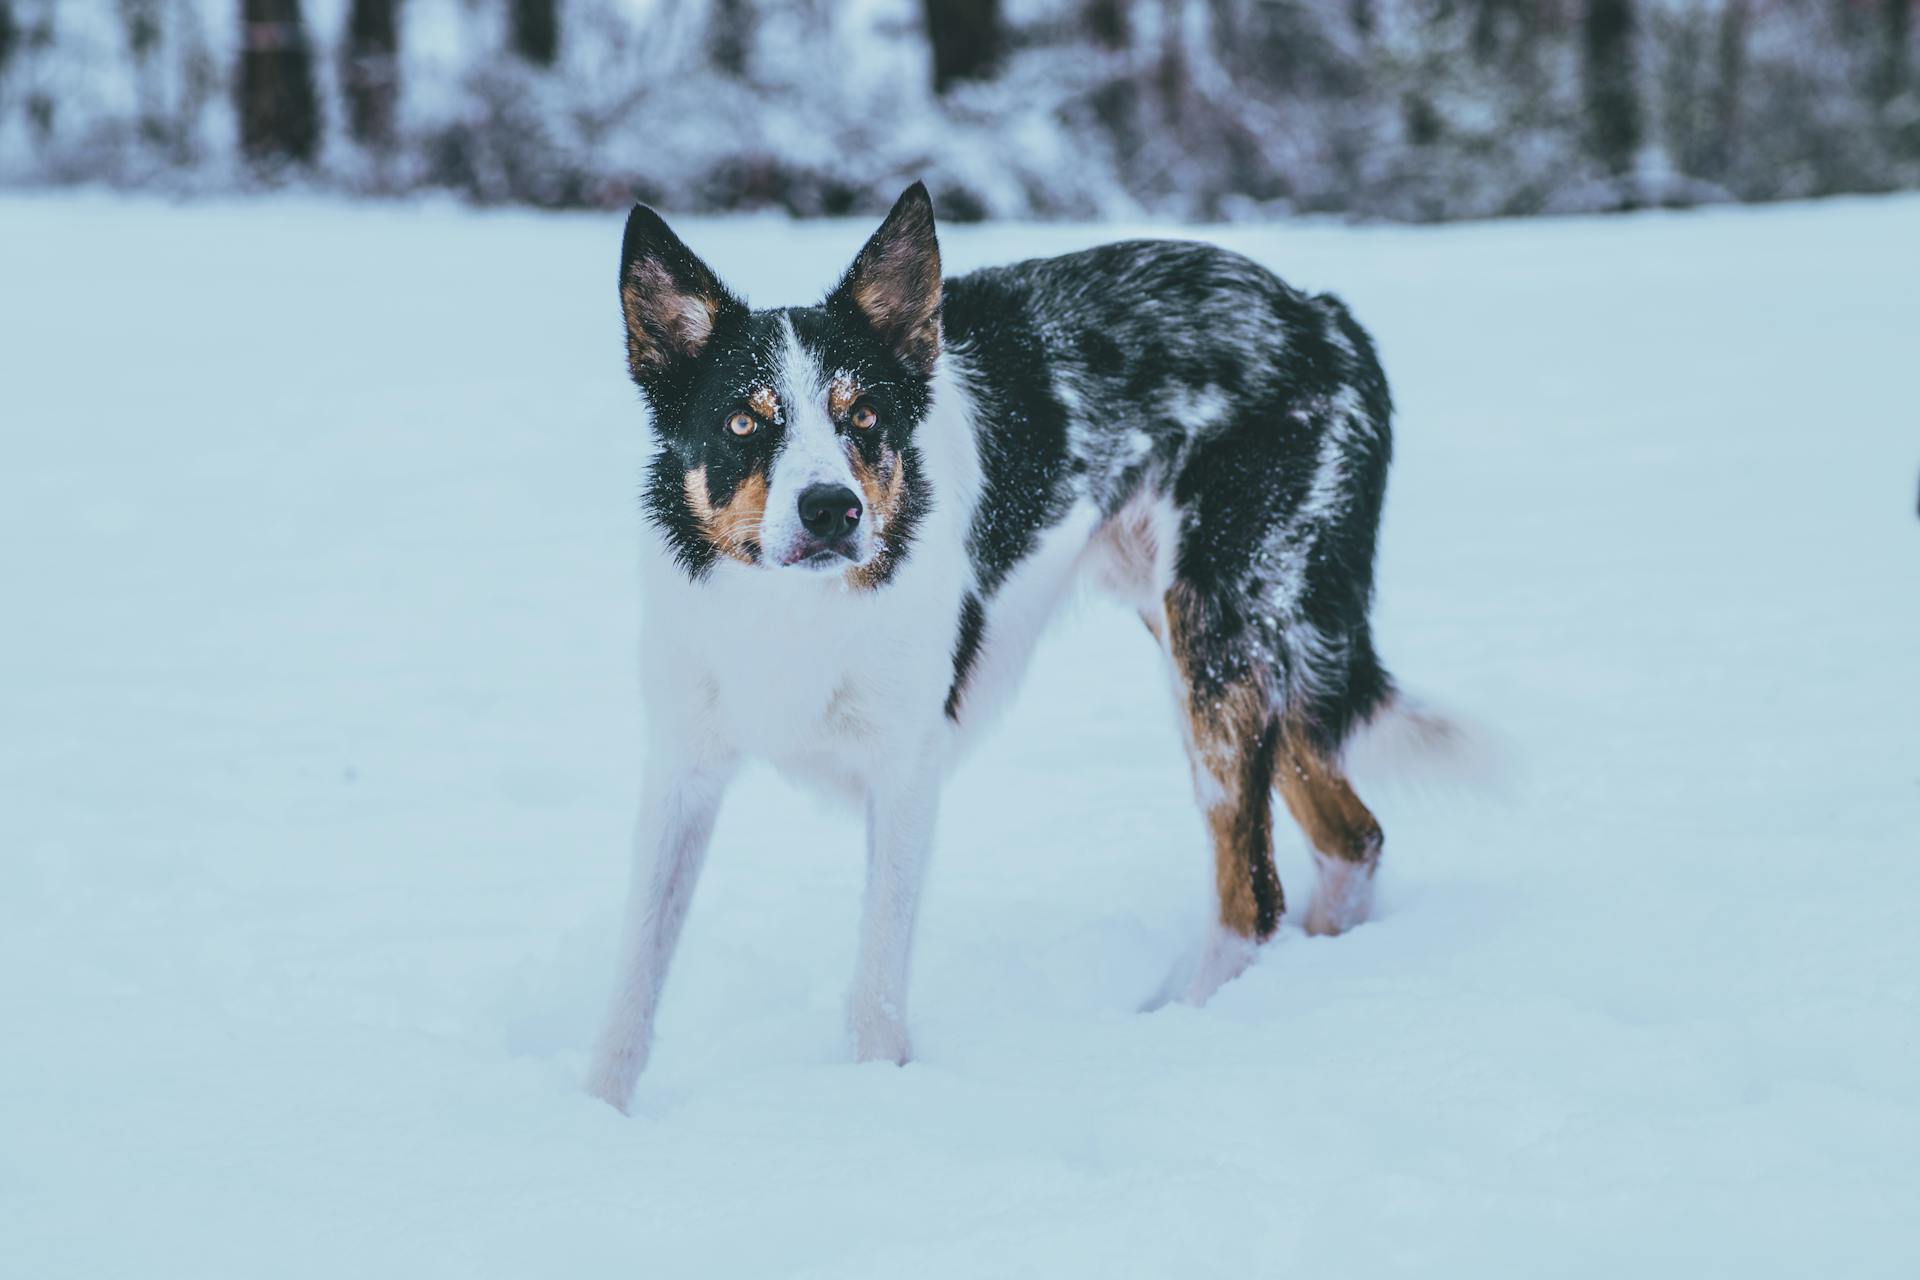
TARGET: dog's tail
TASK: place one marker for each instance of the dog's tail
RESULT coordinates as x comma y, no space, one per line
1408,739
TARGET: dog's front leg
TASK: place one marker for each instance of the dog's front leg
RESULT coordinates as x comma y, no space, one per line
677,811
900,811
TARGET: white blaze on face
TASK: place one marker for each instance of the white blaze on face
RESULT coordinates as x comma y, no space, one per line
811,453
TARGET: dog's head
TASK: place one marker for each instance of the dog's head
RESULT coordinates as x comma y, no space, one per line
786,437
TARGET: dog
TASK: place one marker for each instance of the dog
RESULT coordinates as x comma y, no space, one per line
863,514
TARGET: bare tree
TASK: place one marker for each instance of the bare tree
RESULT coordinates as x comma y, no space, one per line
26,34
534,30
729,28
1360,14
1729,90
1173,73
9,35
279,113
1896,28
966,37
1107,23
1613,105
140,22
370,71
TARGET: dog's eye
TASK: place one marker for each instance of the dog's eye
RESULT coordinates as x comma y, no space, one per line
743,423
863,416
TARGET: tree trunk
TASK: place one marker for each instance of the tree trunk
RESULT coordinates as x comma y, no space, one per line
1729,90
1486,29
1171,72
535,30
729,36
1360,14
9,35
1107,23
141,21
370,71
965,35
1897,31
1613,107
279,114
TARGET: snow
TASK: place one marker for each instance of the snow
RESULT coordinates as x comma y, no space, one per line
318,530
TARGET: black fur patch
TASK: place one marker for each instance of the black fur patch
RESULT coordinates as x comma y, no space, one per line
1189,372
966,650
691,402
664,499
1021,427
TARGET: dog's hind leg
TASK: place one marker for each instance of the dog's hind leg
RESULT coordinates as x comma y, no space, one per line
1341,831
677,813
1232,735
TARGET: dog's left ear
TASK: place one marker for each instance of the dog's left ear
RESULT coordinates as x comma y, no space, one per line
895,282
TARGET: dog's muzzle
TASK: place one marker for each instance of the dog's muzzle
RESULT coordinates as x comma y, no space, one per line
830,514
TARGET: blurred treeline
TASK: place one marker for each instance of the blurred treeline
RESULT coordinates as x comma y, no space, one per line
1416,109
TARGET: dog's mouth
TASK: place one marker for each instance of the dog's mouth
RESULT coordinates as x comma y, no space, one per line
823,557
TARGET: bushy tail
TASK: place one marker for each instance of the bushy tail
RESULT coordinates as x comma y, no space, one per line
1409,740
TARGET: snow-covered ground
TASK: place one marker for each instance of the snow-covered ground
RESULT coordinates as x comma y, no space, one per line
317,544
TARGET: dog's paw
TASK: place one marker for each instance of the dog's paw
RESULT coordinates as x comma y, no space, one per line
882,1044
1225,957
613,1077
878,1035
1342,896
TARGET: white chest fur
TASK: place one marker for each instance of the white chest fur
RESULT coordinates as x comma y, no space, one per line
821,680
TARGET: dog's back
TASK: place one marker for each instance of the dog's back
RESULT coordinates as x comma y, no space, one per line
1181,376
1234,435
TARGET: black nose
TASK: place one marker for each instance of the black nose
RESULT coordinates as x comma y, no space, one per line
829,510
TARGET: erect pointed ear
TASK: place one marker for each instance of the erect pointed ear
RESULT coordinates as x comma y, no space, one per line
895,282
671,299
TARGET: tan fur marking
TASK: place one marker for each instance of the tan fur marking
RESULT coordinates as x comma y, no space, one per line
1323,803
882,488
733,529
765,402
1240,708
1231,881
1230,742
882,485
841,393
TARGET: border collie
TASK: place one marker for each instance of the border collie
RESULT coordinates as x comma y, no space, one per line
864,512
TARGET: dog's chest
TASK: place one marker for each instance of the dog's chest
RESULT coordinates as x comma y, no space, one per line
819,680
795,690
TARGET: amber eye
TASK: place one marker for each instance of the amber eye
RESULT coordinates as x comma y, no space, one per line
743,423
863,417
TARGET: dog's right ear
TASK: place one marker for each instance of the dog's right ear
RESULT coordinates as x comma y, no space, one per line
670,298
